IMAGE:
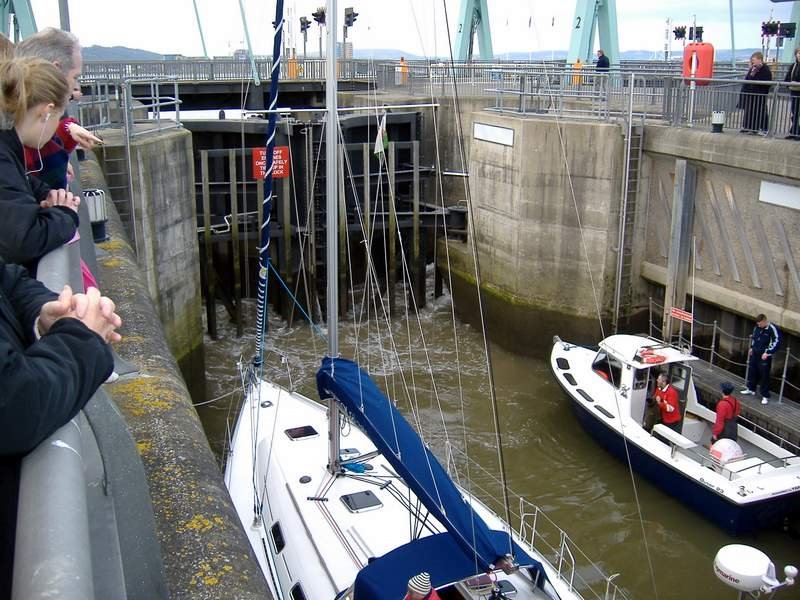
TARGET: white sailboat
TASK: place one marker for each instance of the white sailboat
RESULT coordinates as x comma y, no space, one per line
358,522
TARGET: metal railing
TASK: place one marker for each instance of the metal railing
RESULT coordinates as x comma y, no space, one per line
713,354
542,535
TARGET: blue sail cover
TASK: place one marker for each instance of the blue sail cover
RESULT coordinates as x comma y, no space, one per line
439,555
408,455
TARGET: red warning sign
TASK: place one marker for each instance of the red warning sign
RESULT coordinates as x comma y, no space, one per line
280,162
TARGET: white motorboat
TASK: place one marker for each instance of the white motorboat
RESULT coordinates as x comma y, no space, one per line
609,386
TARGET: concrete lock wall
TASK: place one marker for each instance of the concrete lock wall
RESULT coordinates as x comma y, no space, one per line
527,227
162,221
748,249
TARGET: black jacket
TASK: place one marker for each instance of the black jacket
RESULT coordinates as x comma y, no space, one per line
762,74
603,64
27,231
43,384
793,75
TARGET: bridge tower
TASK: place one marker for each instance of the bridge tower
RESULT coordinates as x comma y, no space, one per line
473,18
589,16
24,24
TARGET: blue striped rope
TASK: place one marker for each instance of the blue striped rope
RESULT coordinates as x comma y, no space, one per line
263,252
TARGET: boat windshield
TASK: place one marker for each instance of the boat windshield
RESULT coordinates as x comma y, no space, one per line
608,367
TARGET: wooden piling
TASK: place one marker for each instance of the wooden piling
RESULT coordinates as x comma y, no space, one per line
211,305
342,238
418,280
392,233
237,274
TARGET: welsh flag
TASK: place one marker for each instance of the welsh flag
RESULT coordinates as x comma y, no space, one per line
382,140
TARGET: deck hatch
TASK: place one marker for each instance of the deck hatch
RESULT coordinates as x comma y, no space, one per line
361,501
301,433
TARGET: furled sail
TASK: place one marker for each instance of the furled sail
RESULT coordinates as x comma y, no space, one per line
414,462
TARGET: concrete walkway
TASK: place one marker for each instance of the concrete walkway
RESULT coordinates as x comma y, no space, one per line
779,418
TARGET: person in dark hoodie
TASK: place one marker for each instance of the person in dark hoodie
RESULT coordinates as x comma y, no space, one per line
793,78
54,355
36,219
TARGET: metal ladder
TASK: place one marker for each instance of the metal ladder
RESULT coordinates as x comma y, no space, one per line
623,294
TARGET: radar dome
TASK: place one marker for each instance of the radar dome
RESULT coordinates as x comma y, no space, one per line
742,567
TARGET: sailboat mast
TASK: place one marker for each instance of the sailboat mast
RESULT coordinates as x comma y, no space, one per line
331,223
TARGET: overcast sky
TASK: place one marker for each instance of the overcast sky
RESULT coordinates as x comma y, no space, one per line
414,26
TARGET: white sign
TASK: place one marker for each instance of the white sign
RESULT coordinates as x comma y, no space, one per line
493,133
780,194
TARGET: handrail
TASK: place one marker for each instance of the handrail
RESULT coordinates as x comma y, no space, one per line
53,553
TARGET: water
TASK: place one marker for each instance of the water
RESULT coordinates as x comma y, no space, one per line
549,459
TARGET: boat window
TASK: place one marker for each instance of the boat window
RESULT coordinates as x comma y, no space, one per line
608,367
296,593
680,375
640,377
277,538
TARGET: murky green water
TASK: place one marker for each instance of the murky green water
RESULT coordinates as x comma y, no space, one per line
549,459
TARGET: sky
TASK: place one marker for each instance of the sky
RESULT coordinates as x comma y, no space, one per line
413,26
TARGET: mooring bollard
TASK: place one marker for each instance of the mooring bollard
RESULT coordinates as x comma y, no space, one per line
717,121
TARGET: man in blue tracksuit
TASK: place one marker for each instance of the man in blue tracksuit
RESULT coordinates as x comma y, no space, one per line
765,343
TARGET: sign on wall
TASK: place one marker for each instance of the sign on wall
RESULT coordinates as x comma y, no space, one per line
493,133
780,194
280,161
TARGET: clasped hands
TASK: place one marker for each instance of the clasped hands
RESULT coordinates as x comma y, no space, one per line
61,198
91,309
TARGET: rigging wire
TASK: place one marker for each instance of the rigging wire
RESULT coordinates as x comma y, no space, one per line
562,144
478,284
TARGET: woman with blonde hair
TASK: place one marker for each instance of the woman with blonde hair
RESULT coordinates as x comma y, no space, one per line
36,219
753,97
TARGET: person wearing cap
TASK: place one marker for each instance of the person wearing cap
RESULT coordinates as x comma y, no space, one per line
728,409
419,588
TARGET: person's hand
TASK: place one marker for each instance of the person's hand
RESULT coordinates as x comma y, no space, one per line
97,313
84,138
70,173
764,356
61,198
55,309
750,352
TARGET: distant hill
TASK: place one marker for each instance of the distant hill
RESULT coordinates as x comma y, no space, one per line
119,53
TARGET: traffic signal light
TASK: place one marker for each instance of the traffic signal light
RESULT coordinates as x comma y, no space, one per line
696,34
787,30
770,28
349,16
319,15
304,24
679,32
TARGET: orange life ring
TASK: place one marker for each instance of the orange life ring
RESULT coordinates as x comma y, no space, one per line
653,359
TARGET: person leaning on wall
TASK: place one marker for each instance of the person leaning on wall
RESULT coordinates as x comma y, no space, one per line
36,219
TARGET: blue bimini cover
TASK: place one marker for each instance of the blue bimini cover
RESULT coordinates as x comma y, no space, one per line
387,577
405,451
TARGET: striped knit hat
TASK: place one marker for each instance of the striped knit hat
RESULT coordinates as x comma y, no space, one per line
421,584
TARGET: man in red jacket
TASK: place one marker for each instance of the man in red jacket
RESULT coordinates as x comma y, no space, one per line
666,397
728,409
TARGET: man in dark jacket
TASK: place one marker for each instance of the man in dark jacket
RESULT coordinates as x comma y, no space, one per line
54,354
793,78
603,64
766,340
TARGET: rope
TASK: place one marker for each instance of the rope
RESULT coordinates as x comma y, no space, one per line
314,326
225,395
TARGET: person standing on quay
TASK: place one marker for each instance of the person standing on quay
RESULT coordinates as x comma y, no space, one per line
793,78
766,340
753,97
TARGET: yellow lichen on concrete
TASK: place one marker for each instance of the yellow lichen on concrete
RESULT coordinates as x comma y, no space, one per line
143,395
144,446
209,574
198,523
110,262
113,244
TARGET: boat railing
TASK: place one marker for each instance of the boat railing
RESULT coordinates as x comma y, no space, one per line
539,532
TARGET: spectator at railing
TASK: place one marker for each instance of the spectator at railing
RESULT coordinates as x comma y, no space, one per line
35,219
753,97
793,77
54,355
